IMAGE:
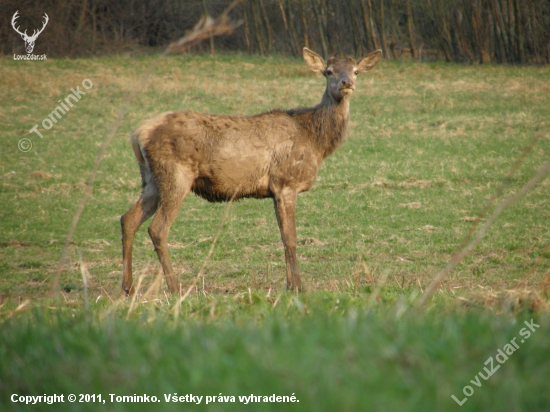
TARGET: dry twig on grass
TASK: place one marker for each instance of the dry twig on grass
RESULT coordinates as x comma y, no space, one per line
471,244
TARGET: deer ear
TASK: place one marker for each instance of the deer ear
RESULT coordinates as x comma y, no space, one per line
369,61
314,61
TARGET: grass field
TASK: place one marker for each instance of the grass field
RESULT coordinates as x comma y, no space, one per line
428,146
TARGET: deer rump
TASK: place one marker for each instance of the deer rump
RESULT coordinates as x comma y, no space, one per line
231,157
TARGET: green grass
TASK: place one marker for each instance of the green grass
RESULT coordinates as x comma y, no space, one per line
330,351
428,146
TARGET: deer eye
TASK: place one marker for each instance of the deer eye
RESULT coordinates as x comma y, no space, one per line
356,72
328,72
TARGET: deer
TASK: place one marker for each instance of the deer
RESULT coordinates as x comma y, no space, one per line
29,40
276,154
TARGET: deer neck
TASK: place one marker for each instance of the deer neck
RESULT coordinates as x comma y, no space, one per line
330,120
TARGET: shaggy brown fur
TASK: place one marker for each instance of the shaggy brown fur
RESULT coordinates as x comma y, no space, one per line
276,154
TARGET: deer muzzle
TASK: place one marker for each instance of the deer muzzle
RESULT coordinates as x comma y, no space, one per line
346,85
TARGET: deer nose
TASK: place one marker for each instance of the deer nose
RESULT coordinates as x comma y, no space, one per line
346,83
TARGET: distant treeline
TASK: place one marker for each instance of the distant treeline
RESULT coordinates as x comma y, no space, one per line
473,31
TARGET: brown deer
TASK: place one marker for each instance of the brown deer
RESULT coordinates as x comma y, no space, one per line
275,154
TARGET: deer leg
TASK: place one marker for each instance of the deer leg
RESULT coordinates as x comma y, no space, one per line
130,222
173,190
285,210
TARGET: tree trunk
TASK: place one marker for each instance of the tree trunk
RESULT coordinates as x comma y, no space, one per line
293,30
374,37
520,32
267,25
305,27
319,21
369,40
410,28
258,28
383,30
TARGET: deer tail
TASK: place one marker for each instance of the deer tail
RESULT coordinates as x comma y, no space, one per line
140,139
144,170
136,145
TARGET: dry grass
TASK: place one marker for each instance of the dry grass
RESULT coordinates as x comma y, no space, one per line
507,301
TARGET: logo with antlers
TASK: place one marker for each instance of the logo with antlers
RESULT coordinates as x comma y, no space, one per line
29,40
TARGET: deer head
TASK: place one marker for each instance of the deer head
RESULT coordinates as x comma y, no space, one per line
29,40
340,74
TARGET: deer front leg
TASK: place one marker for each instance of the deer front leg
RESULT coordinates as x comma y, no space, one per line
285,210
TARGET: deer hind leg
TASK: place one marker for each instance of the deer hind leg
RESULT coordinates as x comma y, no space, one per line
285,210
130,222
174,184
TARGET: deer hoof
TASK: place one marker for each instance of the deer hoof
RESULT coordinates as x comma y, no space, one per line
128,291
299,288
